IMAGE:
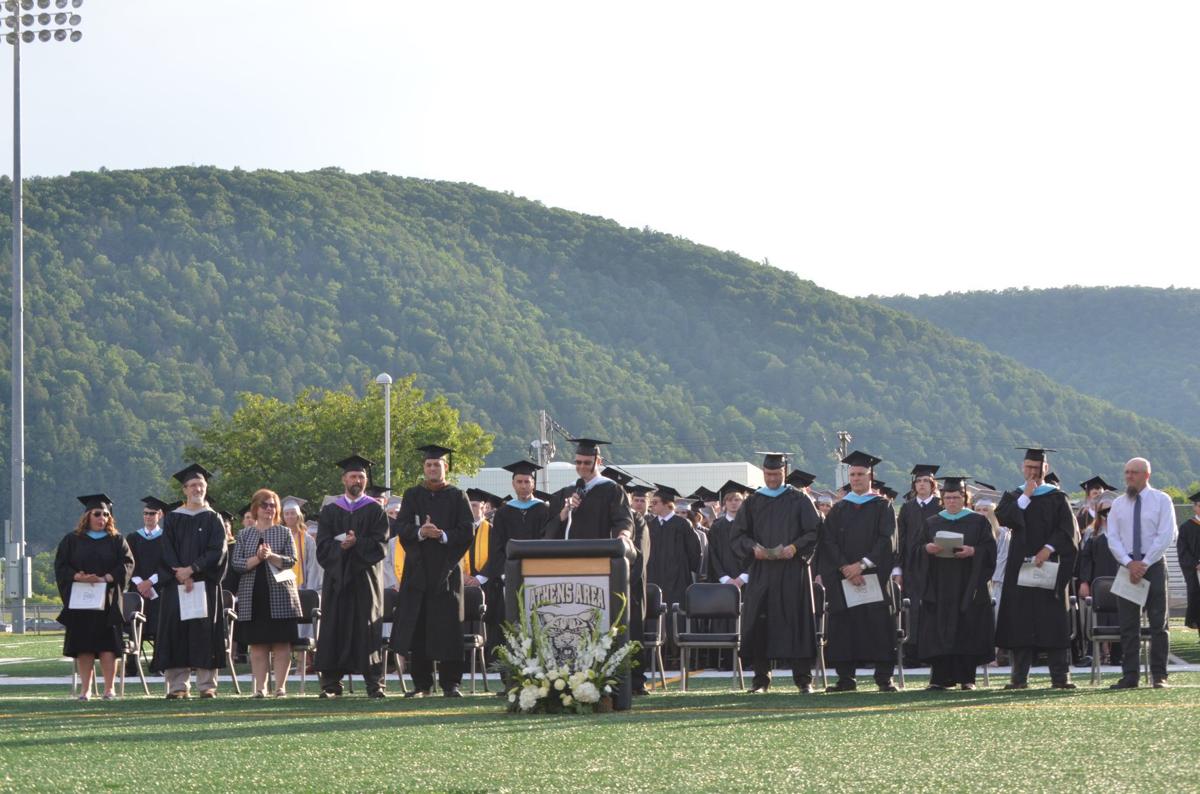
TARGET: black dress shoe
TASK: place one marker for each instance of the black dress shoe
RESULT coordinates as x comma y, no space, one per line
1125,683
378,693
967,687
804,689
1021,685
1160,683
843,686
936,688
331,693
759,689
889,687
1063,685
417,693
451,692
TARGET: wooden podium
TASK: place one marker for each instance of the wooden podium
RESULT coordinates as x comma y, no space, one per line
571,579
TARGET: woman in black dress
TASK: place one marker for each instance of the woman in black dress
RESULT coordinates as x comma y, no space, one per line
95,552
268,605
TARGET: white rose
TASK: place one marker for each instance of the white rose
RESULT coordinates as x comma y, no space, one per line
587,693
512,697
529,698
560,684
567,700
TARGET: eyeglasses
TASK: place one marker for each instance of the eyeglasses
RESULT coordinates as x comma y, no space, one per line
149,512
100,514
267,504
584,462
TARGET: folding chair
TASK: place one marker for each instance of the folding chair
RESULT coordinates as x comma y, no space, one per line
131,636
652,632
391,600
713,602
475,635
900,607
310,615
820,615
1097,608
229,608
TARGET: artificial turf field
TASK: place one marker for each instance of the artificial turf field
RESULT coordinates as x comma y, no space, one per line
706,740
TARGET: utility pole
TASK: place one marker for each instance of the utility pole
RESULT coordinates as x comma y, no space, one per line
841,476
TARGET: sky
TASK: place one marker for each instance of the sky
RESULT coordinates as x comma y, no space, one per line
872,147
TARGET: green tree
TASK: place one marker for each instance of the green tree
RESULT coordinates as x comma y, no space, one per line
291,447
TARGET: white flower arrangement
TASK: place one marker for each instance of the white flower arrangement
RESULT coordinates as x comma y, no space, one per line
538,681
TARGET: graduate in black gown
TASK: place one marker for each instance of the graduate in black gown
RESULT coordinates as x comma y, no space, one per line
434,527
352,534
594,507
1187,547
909,548
521,518
723,564
859,540
955,603
1033,619
194,555
92,554
774,536
1096,560
675,552
146,545
639,499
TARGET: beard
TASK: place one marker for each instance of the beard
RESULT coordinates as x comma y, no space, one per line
355,489
1131,491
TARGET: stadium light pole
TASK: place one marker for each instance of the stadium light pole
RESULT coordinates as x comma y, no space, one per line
385,380
55,20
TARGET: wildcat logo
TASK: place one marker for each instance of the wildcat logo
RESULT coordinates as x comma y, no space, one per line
567,611
567,631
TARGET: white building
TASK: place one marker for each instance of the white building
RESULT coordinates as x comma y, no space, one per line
683,477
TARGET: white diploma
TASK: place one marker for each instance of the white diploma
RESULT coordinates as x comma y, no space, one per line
866,593
87,595
193,605
283,574
1033,576
1125,588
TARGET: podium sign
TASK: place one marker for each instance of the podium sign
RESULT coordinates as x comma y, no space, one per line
567,585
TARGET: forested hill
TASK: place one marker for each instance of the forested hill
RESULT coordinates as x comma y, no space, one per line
155,296
1133,346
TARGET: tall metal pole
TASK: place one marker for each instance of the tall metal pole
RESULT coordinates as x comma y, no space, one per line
17,420
387,435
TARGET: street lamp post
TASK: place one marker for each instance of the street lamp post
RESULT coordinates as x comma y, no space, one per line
385,380
59,25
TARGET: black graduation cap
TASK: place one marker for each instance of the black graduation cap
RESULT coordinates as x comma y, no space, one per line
666,493
587,446
890,493
96,501
225,514
845,488
954,484
192,472
1052,478
1096,482
376,491
480,495
987,485
545,497
732,486
1036,454
174,505
924,470
154,503
702,494
355,462
523,467
878,485
637,489
800,478
434,451
616,475
1194,497
863,459
775,460
244,509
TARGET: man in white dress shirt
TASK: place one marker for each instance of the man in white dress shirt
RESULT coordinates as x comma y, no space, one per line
1141,525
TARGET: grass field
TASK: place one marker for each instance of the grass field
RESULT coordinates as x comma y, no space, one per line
706,740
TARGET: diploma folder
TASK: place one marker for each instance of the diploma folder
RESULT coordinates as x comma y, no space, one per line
1124,587
1033,576
867,593
193,605
87,595
948,543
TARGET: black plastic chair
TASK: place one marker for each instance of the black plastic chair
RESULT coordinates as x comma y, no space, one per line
653,629
900,607
1099,606
475,632
391,600
820,615
229,608
131,636
709,601
310,615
